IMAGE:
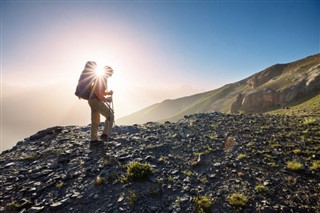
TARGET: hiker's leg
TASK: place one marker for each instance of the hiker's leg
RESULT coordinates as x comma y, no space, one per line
109,123
103,109
95,119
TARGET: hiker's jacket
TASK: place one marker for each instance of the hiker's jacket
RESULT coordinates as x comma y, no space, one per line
99,90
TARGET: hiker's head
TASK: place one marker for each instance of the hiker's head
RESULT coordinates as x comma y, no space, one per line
90,65
108,71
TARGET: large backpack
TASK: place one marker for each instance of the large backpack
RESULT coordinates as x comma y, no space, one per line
87,78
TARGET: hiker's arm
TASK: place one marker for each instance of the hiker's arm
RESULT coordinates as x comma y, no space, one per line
100,94
102,98
109,93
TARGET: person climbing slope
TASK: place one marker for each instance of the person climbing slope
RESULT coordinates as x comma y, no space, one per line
98,96
98,102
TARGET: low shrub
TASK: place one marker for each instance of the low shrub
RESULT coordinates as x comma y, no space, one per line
203,204
138,171
237,200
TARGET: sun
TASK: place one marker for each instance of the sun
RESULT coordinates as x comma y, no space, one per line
99,72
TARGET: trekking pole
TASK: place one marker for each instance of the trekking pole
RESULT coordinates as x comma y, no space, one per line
111,109
114,120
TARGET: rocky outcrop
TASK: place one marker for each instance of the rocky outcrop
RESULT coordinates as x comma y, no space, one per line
211,156
266,75
262,98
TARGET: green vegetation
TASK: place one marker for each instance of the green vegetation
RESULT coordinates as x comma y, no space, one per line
188,173
99,180
294,166
13,205
154,191
297,151
170,179
60,184
309,108
197,154
162,159
315,165
105,162
309,120
203,179
241,156
124,179
261,188
282,77
273,164
133,198
138,171
237,200
213,137
203,204
290,180
208,149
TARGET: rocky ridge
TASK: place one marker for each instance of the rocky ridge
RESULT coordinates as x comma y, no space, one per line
274,88
198,164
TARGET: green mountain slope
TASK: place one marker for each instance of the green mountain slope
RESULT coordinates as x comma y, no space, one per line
309,108
275,87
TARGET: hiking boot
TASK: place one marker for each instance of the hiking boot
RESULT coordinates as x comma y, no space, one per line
104,137
95,142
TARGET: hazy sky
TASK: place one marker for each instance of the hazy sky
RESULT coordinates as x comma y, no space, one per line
158,49
154,43
201,44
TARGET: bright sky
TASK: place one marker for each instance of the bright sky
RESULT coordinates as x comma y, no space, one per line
158,49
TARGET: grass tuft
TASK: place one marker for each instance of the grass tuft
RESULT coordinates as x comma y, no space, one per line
203,204
60,184
237,200
138,171
309,120
297,151
294,166
315,165
261,188
241,156
133,198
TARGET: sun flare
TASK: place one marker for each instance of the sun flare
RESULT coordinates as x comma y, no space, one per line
99,72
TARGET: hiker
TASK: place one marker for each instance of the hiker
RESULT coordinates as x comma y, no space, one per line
98,102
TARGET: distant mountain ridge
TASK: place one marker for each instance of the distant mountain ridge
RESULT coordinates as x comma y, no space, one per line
272,88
